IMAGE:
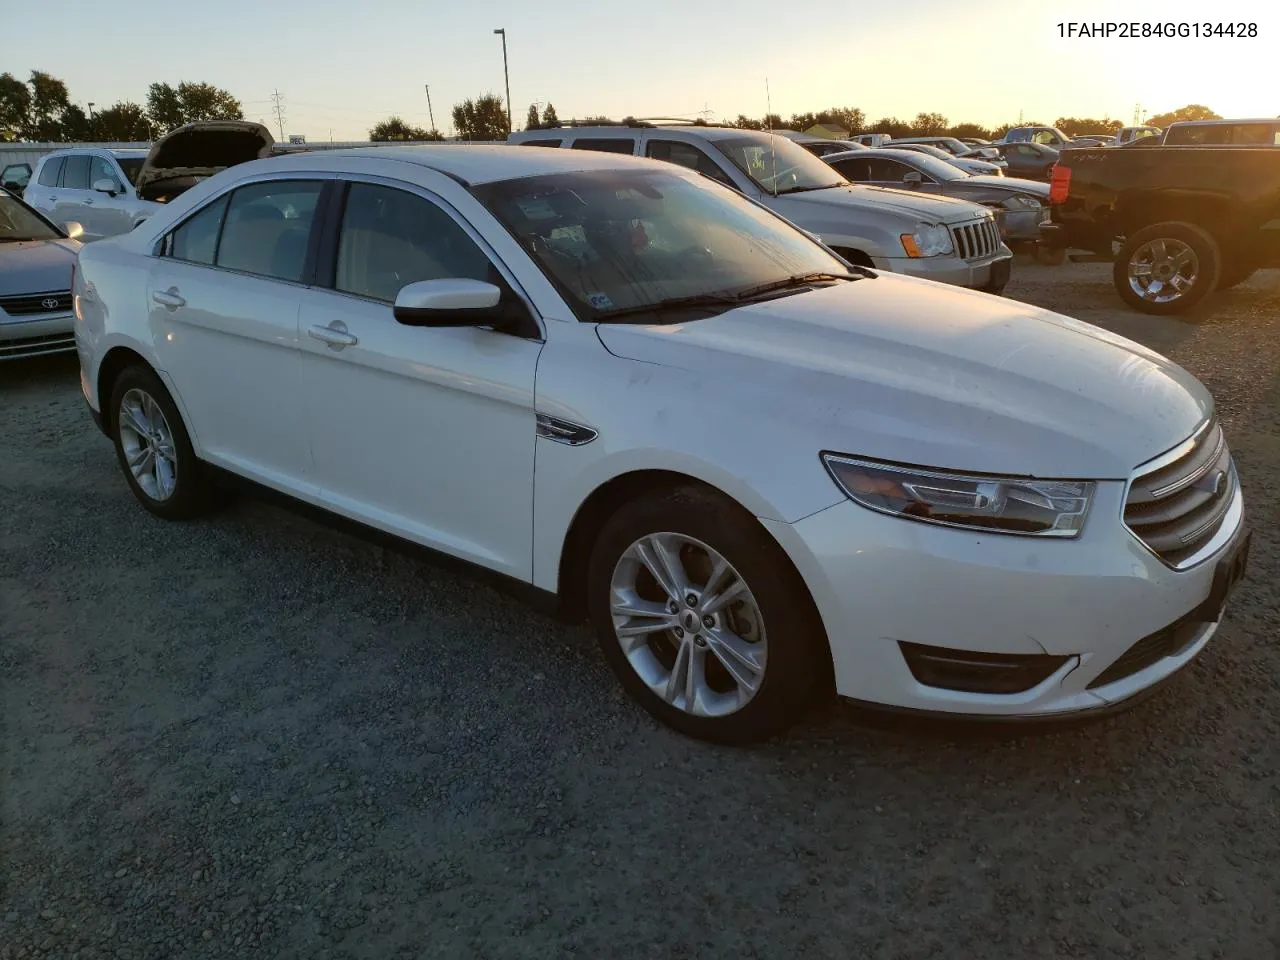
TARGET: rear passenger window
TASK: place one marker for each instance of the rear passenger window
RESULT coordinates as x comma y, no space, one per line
196,241
50,172
541,143
608,145
76,174
267,226
391,238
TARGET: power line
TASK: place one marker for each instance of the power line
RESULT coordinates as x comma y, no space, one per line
278,98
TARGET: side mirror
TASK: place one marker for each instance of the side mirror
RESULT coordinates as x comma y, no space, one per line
448,303
107,186
913,179
73,229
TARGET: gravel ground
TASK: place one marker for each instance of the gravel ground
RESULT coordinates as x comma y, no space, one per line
255,736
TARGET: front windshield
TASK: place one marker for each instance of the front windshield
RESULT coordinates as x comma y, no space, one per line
130,166
953,146
929,150
940,170
623,240
778,165
19,222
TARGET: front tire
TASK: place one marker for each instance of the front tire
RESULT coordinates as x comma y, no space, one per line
154,449
1167,268
703,618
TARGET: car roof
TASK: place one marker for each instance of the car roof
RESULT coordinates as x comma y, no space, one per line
471,164
1220,123
618,131
122,153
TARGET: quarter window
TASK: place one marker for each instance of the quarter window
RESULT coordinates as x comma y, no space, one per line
196,241
76,174
266,228
391,238
50,172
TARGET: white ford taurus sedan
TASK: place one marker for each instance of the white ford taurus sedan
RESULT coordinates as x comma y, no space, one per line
760,472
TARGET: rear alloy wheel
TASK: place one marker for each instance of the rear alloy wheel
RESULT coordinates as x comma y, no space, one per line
703,619
154,450
1167,268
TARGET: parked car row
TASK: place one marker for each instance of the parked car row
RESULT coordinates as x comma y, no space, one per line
764,472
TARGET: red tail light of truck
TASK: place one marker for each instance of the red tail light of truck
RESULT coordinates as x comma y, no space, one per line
1060,184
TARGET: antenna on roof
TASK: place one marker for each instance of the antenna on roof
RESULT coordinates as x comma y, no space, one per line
768,119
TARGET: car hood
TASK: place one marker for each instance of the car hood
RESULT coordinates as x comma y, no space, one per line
1013,185
872,199
915,372
36,266
198,150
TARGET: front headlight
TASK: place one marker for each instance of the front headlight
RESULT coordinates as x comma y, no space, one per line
927,240
1019,202
1039,508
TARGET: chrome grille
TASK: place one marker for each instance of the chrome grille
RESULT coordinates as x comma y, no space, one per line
1177,503
30,303
976,240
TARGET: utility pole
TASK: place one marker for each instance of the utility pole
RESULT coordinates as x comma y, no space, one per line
505,75
278,98
431,113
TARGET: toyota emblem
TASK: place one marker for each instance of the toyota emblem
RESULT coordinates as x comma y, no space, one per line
49,303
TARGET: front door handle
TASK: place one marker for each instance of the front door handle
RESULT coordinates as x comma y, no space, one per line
87,202
335,335
168,298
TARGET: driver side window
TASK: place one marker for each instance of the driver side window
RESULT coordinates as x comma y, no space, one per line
99,169
391,238
884,170
687,155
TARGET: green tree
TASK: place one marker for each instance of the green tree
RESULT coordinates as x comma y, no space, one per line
170,107
929,125
1193,111
851,118
892,126
49,101
531,120
122,122
746,123
973,130
802,121
15,107
483,118
549,118
1075,126
771,121
393,129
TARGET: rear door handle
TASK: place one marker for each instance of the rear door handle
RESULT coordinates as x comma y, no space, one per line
335,335
168,298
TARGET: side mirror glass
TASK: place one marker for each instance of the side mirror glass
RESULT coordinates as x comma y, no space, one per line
448,303
73,229
109,187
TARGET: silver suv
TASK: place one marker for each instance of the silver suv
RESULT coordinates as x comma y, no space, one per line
936,238
92,186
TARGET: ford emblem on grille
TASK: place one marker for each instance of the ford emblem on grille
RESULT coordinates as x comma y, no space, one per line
49,303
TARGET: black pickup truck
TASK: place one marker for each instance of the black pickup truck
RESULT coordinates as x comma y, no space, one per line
1187,220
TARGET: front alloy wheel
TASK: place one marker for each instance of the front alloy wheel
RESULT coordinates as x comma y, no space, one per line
703,618
688,624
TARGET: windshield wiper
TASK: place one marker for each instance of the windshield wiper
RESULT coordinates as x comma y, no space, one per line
674,303
798,280
802,188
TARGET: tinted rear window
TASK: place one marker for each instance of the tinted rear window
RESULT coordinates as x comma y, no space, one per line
541,143
50,172
609,145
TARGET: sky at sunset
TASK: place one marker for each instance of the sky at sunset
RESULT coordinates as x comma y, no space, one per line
342,66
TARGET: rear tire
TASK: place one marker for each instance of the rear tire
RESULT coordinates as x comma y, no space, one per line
755,664
154,449
1167,268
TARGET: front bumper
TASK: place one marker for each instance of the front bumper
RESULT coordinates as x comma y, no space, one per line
976,274
879,581
21,338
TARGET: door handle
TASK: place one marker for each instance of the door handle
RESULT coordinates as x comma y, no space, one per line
87,202
335,335
168,298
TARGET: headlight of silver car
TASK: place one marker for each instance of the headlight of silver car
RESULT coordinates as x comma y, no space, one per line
1020,202
927,240
1038,508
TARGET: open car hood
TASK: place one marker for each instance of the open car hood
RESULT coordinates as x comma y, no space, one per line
182,158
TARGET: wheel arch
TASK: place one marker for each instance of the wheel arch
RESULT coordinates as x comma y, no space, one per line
116,360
